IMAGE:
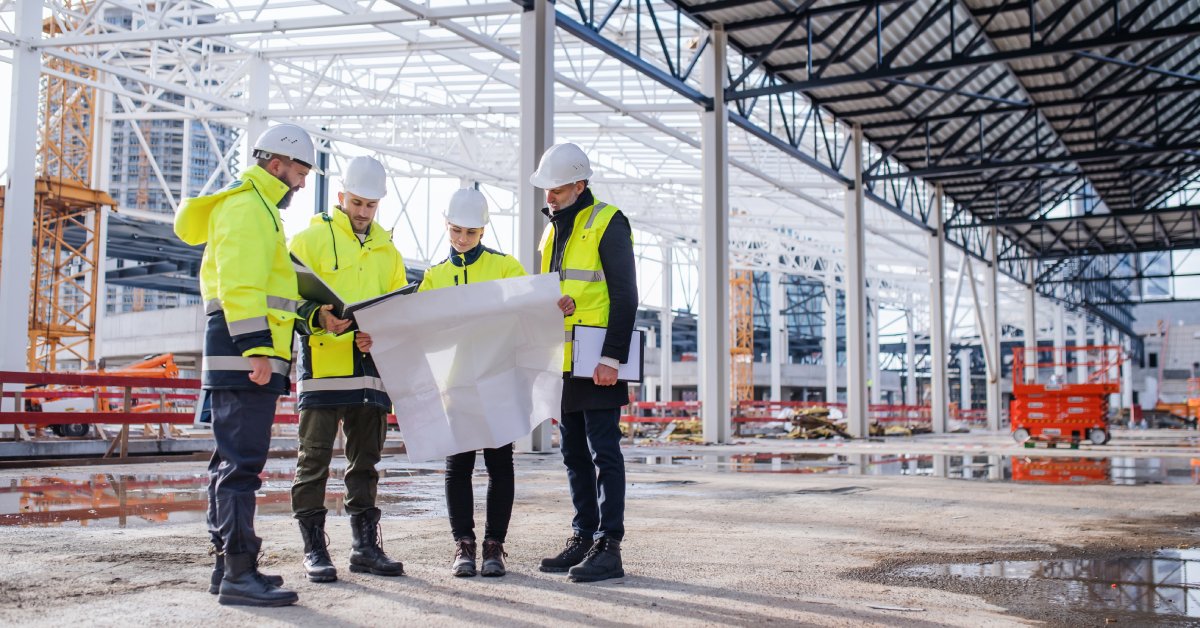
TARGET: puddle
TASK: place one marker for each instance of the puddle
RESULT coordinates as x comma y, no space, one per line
1164,585
127,500
1115,470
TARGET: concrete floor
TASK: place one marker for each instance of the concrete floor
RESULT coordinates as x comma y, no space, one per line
764,531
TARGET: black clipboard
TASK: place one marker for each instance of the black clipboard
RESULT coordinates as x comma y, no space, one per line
313,288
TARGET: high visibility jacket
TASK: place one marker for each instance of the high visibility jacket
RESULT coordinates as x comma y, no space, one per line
582,275
332,371
477,265
246,280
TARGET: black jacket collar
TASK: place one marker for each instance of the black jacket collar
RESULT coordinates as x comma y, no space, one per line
584,201
457,258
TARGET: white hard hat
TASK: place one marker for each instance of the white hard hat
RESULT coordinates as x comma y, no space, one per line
561,164
468,208
366,178
287,140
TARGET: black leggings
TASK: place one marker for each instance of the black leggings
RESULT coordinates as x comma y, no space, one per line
460,499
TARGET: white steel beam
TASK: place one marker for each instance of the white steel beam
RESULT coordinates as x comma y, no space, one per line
666,320
1060,341
779,339
992,334
1031,331
714,248
15,265
964,376
874,364
537,134
939,397
910,357
1081,355
830,345
857,419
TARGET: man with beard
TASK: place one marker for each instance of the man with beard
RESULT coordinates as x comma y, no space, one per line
589,244
249,290
338,381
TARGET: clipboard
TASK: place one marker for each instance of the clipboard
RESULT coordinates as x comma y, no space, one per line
586,344
313,288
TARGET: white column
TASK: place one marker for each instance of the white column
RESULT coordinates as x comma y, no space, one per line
649,385
830,346
1060,341
939,397
910,357
779,339
995,365
259,85
857,419
1031,357
537,134
874,368
714,248
1127,375
666,318
101,179
1081,356
964,368
16,265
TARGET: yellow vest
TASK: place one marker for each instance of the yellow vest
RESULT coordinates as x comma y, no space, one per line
474,266
582,276
354,270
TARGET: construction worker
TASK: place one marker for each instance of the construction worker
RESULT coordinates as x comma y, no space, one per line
471,262
589,244
249,291
338,381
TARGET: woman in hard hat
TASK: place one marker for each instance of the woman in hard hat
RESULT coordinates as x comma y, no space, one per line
471,262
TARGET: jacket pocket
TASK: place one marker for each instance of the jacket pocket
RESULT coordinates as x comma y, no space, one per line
332,356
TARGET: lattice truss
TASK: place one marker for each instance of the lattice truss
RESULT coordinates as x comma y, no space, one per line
433,91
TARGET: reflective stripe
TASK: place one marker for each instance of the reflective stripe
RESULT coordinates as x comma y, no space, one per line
340,384
281,303
212,306
248,326
595,212
581,275
238,363
569,336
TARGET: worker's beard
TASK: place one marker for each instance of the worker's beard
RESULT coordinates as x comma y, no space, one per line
287,199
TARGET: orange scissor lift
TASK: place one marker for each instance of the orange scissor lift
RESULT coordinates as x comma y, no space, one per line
1053,411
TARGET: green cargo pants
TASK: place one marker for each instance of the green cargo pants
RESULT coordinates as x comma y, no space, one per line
365,427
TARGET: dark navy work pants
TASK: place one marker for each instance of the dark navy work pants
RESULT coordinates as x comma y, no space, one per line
591,449
241,424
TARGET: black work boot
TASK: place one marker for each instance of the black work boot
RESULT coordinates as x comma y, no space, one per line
317,563
602,562
244,586
571,555
367,554
493,559
464,557
218,572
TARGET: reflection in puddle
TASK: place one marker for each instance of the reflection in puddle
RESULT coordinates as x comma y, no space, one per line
1166,583
132,500
1024,469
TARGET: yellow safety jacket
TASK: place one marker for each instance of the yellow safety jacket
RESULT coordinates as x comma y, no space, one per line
246,280
332,371
477,265
582,276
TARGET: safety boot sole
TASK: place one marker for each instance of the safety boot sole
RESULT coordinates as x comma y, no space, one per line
371,570
274,580
238,600
598,577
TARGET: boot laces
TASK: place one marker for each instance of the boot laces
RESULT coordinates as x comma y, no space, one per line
466,547
597,548
572,543
493,549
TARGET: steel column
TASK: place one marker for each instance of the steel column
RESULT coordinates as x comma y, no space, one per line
939,397
995,368
857,421
964,375
910,357
714,248
666,318
1030,373
17,250
259,85
1081,340
830,346
779,340
537,134
1060,341
874,369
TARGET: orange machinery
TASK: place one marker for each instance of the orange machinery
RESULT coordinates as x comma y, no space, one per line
1057,411
1061,470
88,399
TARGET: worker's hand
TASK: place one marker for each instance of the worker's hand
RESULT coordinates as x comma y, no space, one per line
567,305
604,375
260,370
331,323
363,341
